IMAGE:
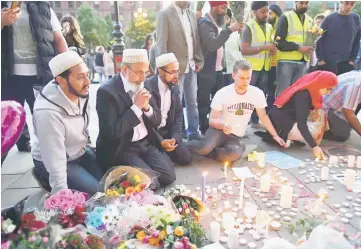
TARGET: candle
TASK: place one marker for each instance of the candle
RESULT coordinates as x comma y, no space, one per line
233,239
349,179
227,206
261,159
227,221
317,209
333,160
324,173
265,183
215,231
240,205
225,170
286,197
203,186
351,161
358,162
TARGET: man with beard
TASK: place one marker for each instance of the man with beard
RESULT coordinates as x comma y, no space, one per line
163,87
213,36
257,47
338,47
127,116
294,55
61,154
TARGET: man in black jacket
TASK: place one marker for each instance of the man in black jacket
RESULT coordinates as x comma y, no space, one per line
127,116
165,92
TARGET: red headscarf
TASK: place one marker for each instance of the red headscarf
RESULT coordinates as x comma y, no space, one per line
313,82
217,3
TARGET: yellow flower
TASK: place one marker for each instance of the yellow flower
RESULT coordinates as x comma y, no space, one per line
141,235
137,179
138,188
163,234
179,231
187,211
154,241
193,247
196,213
112,192
122,246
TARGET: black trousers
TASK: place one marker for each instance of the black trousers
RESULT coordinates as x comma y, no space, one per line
144,155
181,155
340,130
336,68
208,85
271,88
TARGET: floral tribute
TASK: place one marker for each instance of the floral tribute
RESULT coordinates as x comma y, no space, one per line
80,240
188,206
313,35
103,218
127,186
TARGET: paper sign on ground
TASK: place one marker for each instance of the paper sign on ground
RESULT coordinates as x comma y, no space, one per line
243,172
282,160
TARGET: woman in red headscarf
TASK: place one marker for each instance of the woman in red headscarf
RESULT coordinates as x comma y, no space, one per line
295,104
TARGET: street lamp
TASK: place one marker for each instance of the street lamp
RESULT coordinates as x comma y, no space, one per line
119,44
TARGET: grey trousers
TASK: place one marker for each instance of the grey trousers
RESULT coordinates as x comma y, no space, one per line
288,73
218,146
340,130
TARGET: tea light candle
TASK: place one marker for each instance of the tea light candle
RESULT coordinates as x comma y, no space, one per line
349,179
261,159
225,170
233,239
351,161
215,231
265,183
227,205
227,221
358,162
324,173
275,225
243,242
286,197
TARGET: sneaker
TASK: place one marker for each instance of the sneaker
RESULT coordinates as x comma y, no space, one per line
42,183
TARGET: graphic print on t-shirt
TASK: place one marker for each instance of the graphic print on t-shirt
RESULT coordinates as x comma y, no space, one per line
240,109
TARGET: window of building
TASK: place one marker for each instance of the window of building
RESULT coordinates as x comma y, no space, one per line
71,4
57,4
96,4
78,4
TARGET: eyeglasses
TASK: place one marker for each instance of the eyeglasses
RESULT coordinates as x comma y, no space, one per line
140,73
173,72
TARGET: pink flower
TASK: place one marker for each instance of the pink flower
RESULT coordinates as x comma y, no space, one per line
145,240
65,192
6,245
79,199
45,239
51,203
65,206
178,245
32,238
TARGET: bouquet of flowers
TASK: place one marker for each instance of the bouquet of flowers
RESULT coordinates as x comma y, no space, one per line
188,206
313,35
30,239
80,240
65,200
103,218
176,190
7,226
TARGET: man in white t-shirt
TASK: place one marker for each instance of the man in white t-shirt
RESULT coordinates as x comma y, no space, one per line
232,107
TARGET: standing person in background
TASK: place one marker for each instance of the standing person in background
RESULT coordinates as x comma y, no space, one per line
257,47
72,34
232,50
313,61
153,55
293,55
274,13
30,37
108,60
99,64
90,63
338,47
148,42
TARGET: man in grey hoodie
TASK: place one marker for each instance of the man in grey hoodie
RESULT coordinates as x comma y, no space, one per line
61,153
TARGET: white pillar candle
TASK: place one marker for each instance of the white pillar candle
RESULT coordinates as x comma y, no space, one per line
261,159
227,221
358,162
333,160
324,173
351,161
286,197
349,179
225,170
233,239
215,231
265,183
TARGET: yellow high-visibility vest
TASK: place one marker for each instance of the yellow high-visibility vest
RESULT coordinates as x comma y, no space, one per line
262,60
296,33
274,57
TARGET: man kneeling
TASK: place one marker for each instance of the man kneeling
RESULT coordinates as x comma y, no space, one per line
232,107
61,154
163,86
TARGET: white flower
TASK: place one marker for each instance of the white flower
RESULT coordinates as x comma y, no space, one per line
9,228
107,217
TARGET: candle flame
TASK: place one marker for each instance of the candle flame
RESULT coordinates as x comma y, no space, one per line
226,164
205,173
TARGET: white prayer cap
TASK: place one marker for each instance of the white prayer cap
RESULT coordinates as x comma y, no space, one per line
165,59
135,55
64,61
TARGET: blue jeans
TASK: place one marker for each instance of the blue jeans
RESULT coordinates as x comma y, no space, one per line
83,174
188,86
288,73
260,80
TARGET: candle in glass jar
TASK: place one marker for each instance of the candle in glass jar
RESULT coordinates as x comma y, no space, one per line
358,162
261,159
215,231
286,197
233,239
349,179
351,161
225,170
265,183
324,173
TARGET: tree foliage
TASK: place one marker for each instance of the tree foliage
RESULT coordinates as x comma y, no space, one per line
139,29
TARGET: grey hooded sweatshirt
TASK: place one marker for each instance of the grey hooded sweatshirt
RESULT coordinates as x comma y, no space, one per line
60,137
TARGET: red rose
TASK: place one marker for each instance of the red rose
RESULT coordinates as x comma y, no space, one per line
125,184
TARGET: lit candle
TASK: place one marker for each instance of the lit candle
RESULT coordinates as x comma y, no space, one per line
333,160
241,193
265,183
261,159
286,197
351,161
203,186
233,239
225,170
349,179
215,231
358,163
324,173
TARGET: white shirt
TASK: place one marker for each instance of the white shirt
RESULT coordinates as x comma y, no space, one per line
140,131
189,37
236,109
24,45
165,101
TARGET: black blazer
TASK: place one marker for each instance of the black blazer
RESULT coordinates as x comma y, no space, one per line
175,115
117,120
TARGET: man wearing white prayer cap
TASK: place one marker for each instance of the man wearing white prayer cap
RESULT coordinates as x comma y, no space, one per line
127,117
61,154
163,86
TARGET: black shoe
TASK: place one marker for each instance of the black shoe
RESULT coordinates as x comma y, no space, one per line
42,183
195,137
26,147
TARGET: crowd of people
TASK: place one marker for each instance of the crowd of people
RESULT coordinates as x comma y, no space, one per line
296,92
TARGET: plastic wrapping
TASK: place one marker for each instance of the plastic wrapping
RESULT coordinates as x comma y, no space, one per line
279,243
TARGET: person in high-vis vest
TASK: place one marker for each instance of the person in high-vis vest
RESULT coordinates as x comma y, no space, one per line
257,47
274,13
293,55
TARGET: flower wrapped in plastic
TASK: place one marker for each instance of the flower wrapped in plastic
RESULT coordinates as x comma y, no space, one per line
313,35
188,206
127,180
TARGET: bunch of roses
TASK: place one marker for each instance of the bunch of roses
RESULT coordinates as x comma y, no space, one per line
65,200
34,240
80,241
128,187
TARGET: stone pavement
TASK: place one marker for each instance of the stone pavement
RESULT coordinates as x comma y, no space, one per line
17,181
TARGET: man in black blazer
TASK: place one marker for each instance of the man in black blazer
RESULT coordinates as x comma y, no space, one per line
163,87
127,116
